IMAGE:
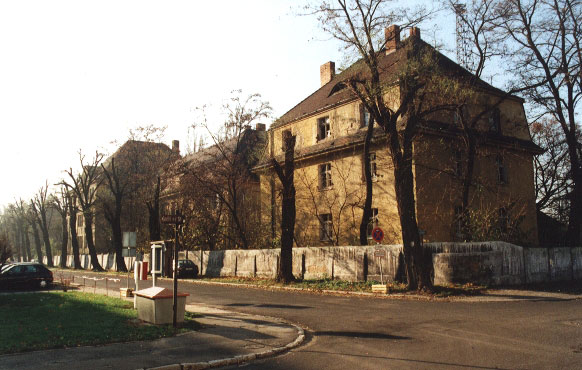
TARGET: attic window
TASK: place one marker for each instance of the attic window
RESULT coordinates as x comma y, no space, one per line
337,87
323,128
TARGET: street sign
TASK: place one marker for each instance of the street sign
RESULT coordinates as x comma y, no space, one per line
377,234
379,253
129,239
172,219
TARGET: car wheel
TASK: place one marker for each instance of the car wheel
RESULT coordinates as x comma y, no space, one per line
43,284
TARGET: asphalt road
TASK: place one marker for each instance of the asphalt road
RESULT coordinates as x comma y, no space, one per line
348,332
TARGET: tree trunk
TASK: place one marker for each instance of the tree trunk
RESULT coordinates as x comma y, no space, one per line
28,255
418,264
27,244
467,181
74,239
47,245
117,238
64,242
154,214
367,212
288,211
90,244
37,243
575,215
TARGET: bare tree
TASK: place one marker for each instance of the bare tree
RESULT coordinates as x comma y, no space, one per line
40,205
5,249
84,186
59,202
118,187
73,210
545,53
223,170
357,24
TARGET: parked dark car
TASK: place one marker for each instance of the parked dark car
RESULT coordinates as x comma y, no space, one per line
25,275
187,268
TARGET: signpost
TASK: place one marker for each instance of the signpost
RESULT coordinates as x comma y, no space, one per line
176,219
129,242
380,254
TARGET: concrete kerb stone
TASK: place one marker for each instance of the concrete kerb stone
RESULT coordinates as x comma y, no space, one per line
240,358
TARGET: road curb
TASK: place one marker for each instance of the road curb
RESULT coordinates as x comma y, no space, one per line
240,359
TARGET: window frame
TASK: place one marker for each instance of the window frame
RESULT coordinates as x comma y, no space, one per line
323,128
325,227
325,176
494,121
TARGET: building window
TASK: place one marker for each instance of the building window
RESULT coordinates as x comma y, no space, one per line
494,121
365,117
501,170
373,166
458,169
373,222
458,221
326,229
325,176
80,220
323,128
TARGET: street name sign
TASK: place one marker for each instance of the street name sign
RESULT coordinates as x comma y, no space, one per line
172,219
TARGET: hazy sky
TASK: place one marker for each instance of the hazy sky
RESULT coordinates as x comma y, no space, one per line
79,74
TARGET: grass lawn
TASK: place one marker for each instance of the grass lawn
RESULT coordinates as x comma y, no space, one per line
356,286
311,284
34,321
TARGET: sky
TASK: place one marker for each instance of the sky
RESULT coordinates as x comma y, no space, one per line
77,75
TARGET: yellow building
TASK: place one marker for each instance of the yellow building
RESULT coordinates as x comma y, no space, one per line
330,127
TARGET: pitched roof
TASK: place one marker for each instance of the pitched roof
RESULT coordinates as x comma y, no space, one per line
332,93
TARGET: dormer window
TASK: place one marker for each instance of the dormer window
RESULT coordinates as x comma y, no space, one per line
494,121
323,128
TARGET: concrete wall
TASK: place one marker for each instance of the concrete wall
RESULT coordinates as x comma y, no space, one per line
490,263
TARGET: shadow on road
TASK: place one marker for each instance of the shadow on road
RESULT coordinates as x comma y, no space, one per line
356,334
534,298
439,363
266,305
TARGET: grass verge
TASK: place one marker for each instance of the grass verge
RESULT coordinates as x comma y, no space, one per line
35,321
357,286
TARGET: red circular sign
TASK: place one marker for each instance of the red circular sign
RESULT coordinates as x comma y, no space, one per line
377,234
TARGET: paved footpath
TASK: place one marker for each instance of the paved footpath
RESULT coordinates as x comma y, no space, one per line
227,338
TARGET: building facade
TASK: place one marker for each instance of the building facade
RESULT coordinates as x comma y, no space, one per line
330,127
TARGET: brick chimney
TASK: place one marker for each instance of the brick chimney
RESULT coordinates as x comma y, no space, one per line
415,32
392,35
326,72
260,127
176,146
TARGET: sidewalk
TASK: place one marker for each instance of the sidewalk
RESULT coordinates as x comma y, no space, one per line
226,338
